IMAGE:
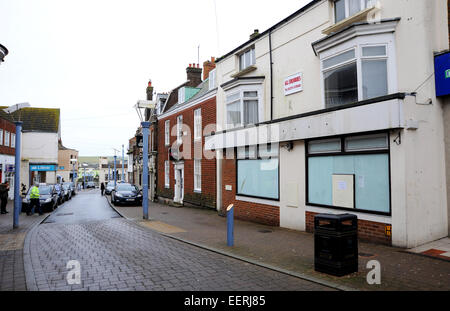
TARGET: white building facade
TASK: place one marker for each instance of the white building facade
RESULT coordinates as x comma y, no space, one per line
344,93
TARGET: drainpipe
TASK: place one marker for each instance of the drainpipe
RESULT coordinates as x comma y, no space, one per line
271,75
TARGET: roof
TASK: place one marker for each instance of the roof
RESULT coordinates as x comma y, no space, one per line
62,147
35,119
293,15
204,88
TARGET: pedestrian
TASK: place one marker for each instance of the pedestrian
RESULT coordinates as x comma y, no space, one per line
34,200
24,190
82,184
4,189
102,187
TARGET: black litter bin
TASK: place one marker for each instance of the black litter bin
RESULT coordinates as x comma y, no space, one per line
336,244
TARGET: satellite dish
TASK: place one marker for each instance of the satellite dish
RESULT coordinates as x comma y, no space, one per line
16,107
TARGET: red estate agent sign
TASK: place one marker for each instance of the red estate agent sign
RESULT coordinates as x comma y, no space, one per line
293,84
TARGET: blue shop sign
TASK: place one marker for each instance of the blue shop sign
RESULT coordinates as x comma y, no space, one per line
442,73
10,168
42,167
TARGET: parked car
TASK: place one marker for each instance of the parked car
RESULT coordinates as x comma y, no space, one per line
90,184
60,191
109,187
48,198
67,191
72,186
126,193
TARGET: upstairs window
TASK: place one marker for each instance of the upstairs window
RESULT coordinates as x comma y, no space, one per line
212,79
181,95
180,129
1,137
167,133
197,124
357,74
6,138
13,140
247,59
242,108
347,8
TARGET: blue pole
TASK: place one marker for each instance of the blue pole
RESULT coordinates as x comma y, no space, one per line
115,172
17,198
230,225
123,165
145,130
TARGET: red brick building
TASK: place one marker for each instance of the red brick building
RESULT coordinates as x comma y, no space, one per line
7,151
185,173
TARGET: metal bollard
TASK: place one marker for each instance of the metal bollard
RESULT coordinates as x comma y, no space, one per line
230,225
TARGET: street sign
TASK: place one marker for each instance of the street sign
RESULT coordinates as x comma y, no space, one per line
16,107
442,74
150,104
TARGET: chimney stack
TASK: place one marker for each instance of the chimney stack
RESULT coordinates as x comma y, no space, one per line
149,90
254,34
207,67
194,75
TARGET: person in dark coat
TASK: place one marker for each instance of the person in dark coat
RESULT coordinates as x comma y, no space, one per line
102,187
4,189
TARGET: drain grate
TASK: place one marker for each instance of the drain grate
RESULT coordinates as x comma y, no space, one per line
365,255
264,231
64,214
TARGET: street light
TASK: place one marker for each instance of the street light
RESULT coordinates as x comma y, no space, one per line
74,161
17,198
115,171
3,52
142,104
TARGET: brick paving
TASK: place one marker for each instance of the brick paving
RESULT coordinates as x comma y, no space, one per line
294,250
117,254
12,272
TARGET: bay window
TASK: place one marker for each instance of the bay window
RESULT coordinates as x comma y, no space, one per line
242,108
356,74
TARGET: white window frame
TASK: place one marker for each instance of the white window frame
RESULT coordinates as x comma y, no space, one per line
13,140
180,129
6,138
197,175
166,174
386,39
240,90
198,124
212,79
181,95
1,137
364,4
242,64
167,132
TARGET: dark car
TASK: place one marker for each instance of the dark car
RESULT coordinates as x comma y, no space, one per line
48,198
90,184
60,191
126,193
109,187
72,186
67,191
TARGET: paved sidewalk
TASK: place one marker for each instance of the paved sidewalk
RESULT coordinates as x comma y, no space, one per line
292,251
12,273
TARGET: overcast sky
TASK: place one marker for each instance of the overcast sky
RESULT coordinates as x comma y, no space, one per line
93,58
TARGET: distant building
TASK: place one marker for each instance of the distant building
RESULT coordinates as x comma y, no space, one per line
67,159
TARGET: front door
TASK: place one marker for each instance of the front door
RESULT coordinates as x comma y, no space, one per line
179,184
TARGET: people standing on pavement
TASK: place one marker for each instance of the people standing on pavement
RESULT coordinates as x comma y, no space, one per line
24,190
102,187
34,200
4,189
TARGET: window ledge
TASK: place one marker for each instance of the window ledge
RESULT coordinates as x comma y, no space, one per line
348,21
244,71
197,191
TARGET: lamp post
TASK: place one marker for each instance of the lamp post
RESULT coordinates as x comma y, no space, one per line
3,53
10,110
144,104
115,172
123,165
74,161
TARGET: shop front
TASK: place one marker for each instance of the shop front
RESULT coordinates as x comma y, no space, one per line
43,173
